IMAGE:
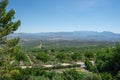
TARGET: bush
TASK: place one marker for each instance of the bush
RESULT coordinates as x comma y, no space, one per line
43,57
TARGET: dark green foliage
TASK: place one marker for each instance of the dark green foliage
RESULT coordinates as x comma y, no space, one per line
43,56
117,77
91,76
89,54
7,26
72,75
50,75
109,62
115,60
76,56
102,59
106,76
90,66
20,56
20,77
61,56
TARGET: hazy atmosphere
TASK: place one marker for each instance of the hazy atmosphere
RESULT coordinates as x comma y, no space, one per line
66,15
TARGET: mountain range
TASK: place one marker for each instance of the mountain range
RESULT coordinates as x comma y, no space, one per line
76,35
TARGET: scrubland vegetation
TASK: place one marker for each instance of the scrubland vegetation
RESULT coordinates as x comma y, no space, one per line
20,61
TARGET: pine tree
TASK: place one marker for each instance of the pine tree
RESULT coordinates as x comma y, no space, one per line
7,46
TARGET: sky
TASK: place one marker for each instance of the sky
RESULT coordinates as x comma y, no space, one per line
66,15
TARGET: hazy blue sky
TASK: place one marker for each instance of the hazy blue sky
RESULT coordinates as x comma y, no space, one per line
67,15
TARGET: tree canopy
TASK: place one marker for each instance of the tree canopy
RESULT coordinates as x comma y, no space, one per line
7,46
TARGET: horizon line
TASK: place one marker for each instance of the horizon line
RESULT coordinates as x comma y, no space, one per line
68,31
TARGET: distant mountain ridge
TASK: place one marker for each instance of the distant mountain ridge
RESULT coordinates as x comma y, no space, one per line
76,35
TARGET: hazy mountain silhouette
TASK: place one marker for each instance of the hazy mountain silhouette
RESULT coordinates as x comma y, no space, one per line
76,35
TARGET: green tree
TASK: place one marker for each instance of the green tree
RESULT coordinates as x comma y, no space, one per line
106,76
76,56
89,66
20,56
109,62
7,46
89,55
72,74
43,57
62,56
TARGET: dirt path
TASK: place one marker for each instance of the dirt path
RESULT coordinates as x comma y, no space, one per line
29,59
